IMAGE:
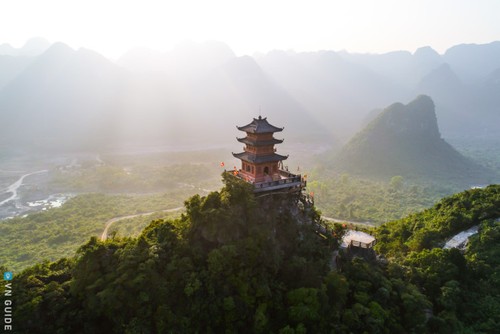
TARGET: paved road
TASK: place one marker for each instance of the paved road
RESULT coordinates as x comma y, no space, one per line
110,222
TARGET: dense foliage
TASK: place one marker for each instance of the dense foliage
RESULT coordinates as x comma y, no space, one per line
464,288
231,263
360,199
132,227
429,228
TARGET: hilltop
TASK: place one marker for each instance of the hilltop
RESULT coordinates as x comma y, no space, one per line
237,263
232,263
405,140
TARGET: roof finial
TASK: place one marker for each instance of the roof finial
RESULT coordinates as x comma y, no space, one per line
260,114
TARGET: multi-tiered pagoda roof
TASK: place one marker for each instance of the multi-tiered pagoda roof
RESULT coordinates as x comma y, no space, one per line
259,134
259,125
260,164
257,159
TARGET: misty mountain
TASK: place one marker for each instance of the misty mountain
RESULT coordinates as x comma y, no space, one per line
33,47
252,90
440,80
401,67
213,90
456,81
473,62
405,140
342,89
13,61
61,97
425,59
329,86
79,99
199,91
451,95
11,67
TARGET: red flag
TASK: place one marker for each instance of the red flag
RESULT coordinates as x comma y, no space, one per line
235,172
222,164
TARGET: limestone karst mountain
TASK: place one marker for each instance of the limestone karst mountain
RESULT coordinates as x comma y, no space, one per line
405,140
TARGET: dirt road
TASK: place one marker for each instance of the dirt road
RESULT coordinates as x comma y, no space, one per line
110,222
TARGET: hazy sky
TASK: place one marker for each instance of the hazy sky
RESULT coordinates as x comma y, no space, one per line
112,27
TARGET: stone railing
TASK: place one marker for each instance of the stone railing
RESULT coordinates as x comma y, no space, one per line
286,181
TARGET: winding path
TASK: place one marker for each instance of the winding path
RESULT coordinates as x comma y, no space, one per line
336,220
110,222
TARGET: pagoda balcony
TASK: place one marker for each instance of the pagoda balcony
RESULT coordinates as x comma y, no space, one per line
286,180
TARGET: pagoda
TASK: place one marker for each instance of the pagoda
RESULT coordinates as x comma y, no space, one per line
260,164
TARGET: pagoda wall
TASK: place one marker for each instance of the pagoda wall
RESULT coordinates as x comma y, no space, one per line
260,150
257,172
260,136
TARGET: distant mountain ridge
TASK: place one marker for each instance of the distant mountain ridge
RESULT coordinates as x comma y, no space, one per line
371,81
33,47
78,99
405,140
199,90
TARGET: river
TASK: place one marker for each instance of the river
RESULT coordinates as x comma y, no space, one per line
15,186
29,193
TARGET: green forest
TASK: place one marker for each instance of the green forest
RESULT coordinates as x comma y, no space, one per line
59,232
120,185
132,227
233,262
120,175
355,198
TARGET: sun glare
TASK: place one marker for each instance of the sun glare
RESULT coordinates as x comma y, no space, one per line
113,27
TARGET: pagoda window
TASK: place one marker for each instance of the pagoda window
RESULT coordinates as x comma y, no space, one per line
266,170
248,168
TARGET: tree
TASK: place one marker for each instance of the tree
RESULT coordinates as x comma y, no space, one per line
397,182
